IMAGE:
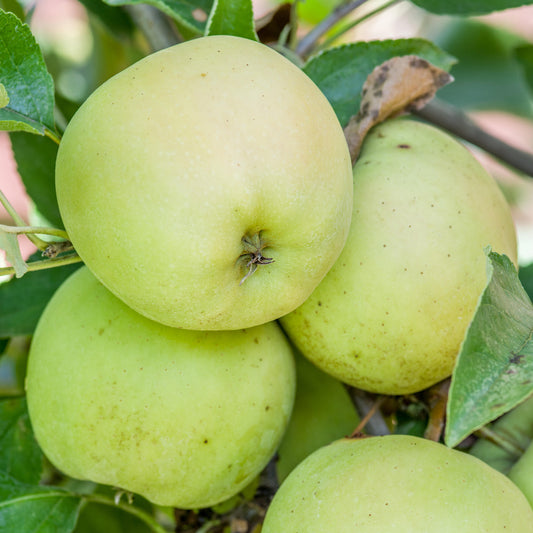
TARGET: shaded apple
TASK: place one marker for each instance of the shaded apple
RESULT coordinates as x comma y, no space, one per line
323,412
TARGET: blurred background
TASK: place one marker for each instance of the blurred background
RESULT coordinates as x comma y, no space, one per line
81,53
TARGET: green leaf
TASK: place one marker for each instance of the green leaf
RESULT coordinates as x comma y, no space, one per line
468,7
25,507
116,20
9,243
96,517
20,455
23,300
525,274
183,11
487,75
232,17
341,72
14,7
99,513
524,56
24,75
36,158
494,370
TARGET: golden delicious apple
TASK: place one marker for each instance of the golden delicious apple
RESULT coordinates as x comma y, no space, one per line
208,186
323,412
184,418
396,483
391,314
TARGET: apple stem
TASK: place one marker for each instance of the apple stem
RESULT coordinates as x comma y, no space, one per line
253,247
503,441
44,264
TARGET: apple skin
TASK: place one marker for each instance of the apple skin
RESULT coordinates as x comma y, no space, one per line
168,165
396,483
184,418
392,312
323,412
521,473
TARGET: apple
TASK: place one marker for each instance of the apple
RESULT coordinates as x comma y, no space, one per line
521,473
323,412
396,483
208,186
184,418
391,314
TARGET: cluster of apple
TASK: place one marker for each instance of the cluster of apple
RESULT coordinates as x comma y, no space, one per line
209,191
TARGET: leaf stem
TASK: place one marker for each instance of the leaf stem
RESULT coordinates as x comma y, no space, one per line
293,24
11,210
145,517
42,230
52,135
366,403
44,264
39,243
511,447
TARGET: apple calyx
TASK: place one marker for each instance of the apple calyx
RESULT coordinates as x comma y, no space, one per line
253,247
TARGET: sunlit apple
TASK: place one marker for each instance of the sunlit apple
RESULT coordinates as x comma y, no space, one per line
184,418
208,185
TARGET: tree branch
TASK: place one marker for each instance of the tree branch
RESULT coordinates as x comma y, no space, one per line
457,122
155,25
308,41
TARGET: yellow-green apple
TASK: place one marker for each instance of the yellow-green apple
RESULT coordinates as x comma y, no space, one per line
521,473
208,186
323,412
396,483
184,418
391,314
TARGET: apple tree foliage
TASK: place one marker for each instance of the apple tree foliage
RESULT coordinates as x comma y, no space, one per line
492,69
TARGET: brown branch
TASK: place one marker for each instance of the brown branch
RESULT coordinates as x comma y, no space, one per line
457,122
437,398
308,41
155,26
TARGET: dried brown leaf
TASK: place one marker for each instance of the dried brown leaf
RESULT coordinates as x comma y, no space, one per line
399,85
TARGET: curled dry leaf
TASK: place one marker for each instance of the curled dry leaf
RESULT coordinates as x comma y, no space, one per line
399,85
